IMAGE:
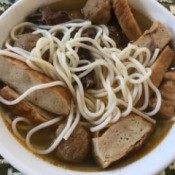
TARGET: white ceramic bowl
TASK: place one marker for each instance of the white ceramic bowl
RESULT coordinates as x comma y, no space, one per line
26,162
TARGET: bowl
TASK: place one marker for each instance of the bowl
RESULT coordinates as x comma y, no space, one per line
28,163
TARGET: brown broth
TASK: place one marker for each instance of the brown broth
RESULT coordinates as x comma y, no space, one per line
143,21
161,130
68,5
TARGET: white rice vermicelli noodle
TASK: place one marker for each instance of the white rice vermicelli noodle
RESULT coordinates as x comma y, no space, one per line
122,76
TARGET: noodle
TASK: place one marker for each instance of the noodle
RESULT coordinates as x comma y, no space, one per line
122,76
57,140
14,126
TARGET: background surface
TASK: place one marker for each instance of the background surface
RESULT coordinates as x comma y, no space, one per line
5,167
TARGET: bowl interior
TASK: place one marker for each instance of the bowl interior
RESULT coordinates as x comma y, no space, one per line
29,164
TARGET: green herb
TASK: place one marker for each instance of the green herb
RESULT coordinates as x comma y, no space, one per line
4,6
167,3
170,172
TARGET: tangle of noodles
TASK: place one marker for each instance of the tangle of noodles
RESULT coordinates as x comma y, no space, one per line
123,76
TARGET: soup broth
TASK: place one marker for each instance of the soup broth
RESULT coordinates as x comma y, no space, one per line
161,130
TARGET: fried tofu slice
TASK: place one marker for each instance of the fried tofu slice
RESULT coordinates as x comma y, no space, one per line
167,90
161,65
126,19
24,108
158,36
121,139
20,77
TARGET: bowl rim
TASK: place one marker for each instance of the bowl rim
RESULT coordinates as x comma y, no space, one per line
23,160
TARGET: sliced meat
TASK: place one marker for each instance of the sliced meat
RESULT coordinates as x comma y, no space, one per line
158,36
126,19
161,65
46,16
27,41
74,14
120,139
97,11
167,90
24,108
20,77
56,18
76,148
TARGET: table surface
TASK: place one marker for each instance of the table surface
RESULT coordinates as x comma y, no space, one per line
5,167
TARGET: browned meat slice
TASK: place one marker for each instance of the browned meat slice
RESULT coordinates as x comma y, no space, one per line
24,108
161,65
74,14
167,89
158,36
27,41
126,19
120,139
76,148
56,18
46,16
97,11
20,77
